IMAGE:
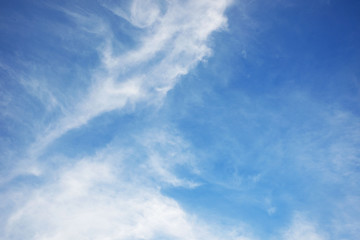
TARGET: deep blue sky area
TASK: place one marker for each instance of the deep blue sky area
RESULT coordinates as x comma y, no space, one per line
150,119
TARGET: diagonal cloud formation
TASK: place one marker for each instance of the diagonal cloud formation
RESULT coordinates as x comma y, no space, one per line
173,40
108,196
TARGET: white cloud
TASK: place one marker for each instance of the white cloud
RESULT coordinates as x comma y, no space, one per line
115,194
165,152
140,13
175,42
144,12
88,202
301,229
93,199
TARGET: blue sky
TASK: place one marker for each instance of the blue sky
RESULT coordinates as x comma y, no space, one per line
151,119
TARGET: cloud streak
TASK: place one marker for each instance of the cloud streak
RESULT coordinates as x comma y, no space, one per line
170,45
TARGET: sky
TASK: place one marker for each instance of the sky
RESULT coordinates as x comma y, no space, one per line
179,119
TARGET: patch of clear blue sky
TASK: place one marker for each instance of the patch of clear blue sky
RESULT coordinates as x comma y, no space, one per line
260,114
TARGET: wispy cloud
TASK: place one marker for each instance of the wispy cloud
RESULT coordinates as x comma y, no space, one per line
104,137
114,194
88,201
174,42
301,228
